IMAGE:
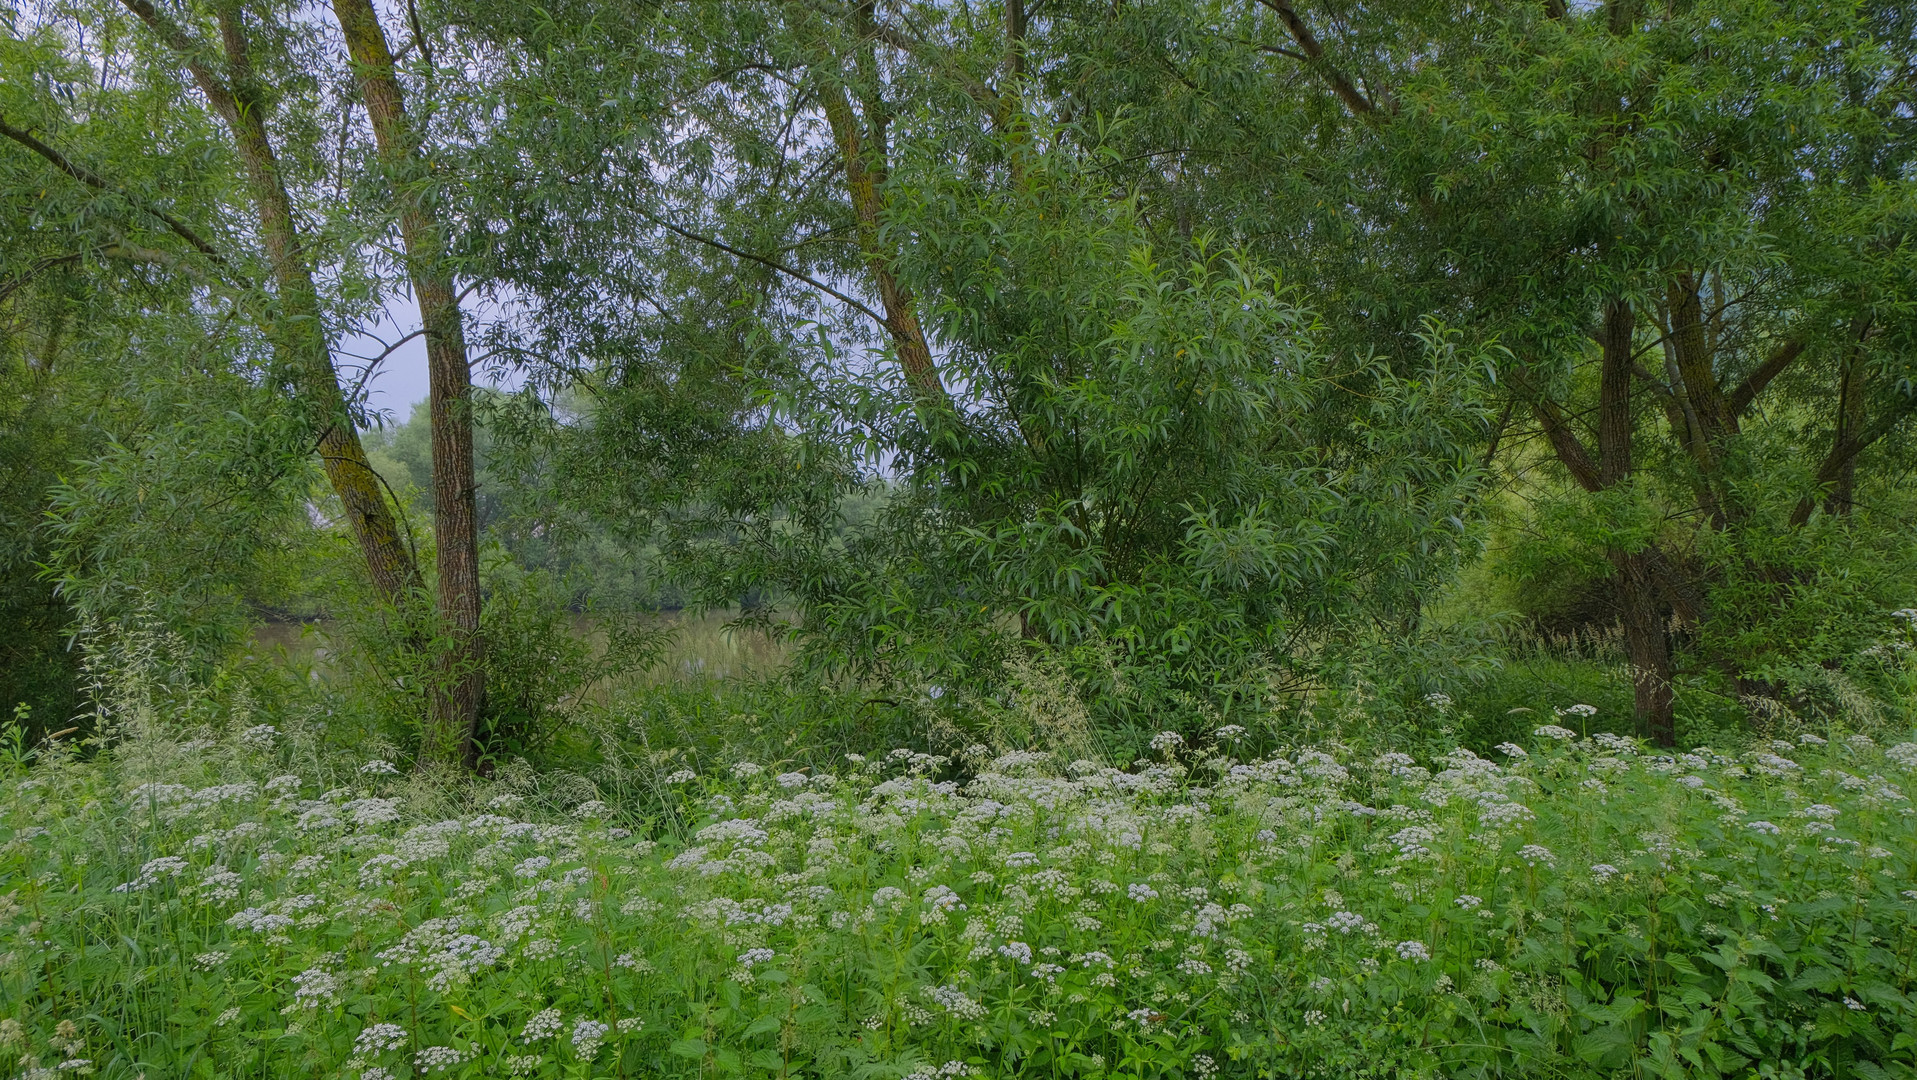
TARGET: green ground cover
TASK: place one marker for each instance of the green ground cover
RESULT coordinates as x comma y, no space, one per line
250,903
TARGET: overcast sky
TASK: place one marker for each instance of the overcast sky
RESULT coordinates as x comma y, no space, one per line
399,381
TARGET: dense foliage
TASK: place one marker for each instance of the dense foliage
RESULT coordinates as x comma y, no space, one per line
1005,538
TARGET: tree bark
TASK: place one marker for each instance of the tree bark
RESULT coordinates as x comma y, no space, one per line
1692,350
298,335
1851,416
863,146
1640,609
453,706
1647,646
1614,392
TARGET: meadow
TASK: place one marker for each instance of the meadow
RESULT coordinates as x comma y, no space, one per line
219,897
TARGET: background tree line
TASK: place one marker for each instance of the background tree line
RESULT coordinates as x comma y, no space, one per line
1232,359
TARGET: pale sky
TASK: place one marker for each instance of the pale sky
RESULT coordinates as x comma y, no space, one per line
399,382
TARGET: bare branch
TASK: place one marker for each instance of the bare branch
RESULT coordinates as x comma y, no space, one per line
770,264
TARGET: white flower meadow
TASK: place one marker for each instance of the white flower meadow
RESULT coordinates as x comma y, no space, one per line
1184,898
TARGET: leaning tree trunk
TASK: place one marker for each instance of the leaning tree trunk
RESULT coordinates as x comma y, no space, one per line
453,709
296,332
1647,645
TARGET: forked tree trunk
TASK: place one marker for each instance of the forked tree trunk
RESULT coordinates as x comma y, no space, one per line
453,708
1639,592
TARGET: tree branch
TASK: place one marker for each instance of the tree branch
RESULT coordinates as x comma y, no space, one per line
1849,447
20,280
99,183
1341,84
770,264
932,56
178,40
1557,429
1779,359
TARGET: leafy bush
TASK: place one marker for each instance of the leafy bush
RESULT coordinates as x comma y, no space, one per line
248,905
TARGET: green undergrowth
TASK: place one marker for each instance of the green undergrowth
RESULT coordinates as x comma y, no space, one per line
243,902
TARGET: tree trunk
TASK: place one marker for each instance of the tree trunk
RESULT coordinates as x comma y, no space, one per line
453,708
1642,576
1851,416
297,335
864,148
1647,646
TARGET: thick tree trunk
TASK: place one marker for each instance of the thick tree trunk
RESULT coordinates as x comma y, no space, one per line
453,709
1643,576
297,333
1647,646
1640,608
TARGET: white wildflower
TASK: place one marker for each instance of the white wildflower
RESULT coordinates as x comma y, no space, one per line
379,1038
439,1059
586,1037
151,873
219,885
315,988
544,1025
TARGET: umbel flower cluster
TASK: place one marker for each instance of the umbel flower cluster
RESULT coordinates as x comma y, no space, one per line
1574,907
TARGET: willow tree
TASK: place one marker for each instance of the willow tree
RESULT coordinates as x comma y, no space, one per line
1686,224
299,272
870,221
